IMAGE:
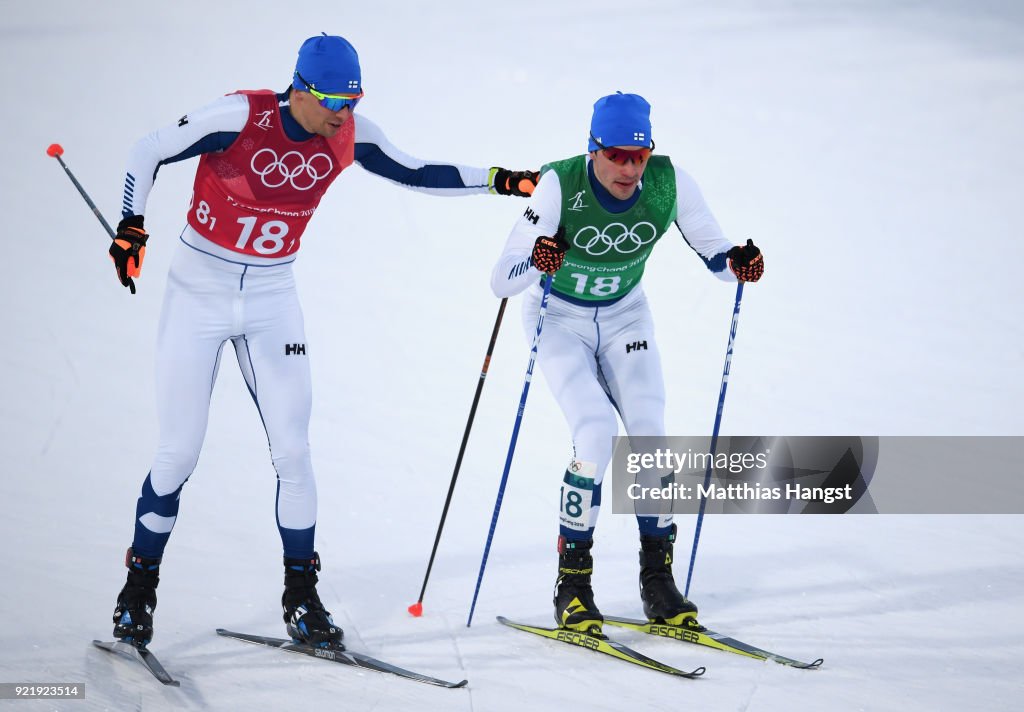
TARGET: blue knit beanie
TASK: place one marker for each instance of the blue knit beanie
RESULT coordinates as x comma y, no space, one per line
620,120
330,64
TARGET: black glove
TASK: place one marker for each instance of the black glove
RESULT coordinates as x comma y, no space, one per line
128,247
746,262
518,183
548,252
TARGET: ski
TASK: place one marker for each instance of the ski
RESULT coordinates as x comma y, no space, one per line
602,645
142,655
339,655
710,639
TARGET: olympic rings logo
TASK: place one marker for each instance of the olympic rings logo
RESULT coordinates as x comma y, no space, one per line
615,236
292,167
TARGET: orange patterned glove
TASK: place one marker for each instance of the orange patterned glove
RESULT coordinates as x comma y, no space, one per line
548,252
128,247
747,262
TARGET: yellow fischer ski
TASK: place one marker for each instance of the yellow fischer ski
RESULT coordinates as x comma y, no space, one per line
602,645
710,639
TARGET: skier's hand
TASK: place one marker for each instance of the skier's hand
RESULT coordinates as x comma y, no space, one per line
746,262
128,249
518,183
548,252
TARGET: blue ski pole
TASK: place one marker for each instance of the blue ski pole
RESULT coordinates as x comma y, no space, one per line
511,445
714,432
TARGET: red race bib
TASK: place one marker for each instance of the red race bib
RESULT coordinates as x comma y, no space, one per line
256,197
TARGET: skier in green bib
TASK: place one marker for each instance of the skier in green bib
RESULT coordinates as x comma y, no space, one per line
592,223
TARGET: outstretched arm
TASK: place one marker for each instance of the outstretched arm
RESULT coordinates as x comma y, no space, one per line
377,154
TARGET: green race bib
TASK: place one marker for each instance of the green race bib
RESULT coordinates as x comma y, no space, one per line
608,251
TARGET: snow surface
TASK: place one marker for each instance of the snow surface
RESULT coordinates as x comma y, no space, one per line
873,149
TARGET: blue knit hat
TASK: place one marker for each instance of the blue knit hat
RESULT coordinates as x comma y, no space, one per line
620,120
330,64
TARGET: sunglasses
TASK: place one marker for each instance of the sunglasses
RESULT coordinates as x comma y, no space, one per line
332,102
623,156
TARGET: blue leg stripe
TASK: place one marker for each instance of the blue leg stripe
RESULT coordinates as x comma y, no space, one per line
147,542
298,543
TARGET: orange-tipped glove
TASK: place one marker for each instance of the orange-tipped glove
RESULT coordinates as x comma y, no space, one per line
548,252
517,183
128,249
747,262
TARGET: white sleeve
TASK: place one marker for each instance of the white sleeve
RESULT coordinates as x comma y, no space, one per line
699,227
196,132
514,270
379,156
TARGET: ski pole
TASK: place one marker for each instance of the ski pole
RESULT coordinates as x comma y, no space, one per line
714,432
416,609
55,150
512,444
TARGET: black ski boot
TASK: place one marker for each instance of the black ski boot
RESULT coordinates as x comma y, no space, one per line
307,620
133,616
663,603
574,598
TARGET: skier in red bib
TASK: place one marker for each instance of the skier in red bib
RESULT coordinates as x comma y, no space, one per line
266,160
